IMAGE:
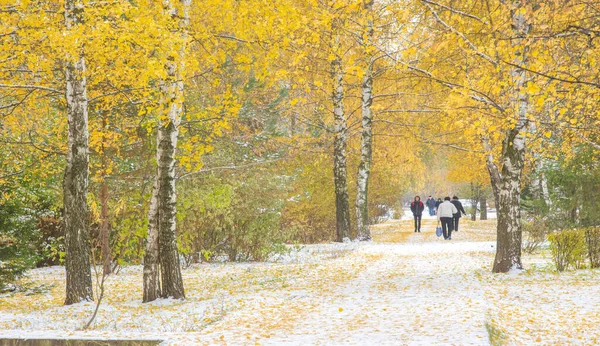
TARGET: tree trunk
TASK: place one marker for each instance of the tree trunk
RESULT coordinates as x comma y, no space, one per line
507,183
151,280
104,222
483,206
540,184
75,185
475,192
293,125
573,212
366,145
105,230
162,271
342,205
508,205
170,269
544,190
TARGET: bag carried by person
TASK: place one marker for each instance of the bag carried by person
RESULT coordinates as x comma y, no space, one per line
438,230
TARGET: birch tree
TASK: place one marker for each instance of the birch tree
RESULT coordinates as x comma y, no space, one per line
162,270
500,96
318,75
366,145
77,260
340,130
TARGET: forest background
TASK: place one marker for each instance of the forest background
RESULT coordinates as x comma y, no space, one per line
173,133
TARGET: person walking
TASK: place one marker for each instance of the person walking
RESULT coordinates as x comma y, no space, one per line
417,208
456,217
431,205
437,203
445,212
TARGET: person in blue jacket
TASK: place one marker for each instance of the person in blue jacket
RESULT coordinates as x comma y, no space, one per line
430,203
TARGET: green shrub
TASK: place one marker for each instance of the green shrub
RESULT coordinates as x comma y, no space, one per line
236,221
13,261
534,234
568,249
592,237
18,232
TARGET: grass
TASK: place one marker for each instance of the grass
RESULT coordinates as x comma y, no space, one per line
496,334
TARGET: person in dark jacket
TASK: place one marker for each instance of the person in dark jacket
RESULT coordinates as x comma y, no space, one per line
431,205
437,204
417,208
457,216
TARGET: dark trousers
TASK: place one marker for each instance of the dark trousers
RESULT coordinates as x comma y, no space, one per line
431,211
446,226
455,220
418,223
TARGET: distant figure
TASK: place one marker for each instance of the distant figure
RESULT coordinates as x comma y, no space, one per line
437,203
417,208
431,205
457,216
445,212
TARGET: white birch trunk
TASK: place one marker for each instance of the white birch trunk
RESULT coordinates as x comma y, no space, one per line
544,189
105,231
366,145
75,185
151,283
162,270
170,270
340,143
507,184
104,219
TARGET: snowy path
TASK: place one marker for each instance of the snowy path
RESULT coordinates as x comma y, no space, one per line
410,296
404,288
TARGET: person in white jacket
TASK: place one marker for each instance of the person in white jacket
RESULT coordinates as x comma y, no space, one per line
444,214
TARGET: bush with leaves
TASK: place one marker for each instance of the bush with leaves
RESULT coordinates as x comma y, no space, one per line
14,261
592,238
17,234
237,218
534,234
568,249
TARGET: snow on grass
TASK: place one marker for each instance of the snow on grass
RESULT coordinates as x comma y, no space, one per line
404,288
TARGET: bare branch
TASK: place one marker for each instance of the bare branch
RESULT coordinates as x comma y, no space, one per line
12,174
587,140
393,123
51,152
451,85
231,37
411,111
556,78
230,167
493,170
464,38
36,87
488,102
18,103
453,10
403,94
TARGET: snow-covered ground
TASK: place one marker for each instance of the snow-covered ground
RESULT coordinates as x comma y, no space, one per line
404,288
